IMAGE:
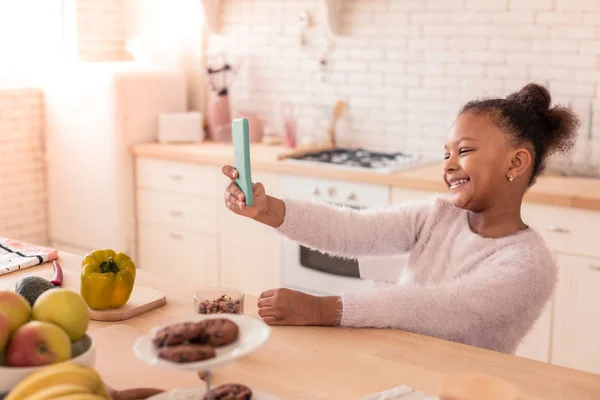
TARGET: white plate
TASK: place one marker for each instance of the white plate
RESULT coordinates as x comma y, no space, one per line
196,393
253,333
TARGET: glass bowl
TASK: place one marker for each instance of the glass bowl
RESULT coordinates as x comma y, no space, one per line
219,301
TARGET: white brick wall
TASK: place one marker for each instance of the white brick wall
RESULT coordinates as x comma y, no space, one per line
22,171
100,30
406,66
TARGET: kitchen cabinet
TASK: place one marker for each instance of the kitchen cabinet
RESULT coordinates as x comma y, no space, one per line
185,230
249,252
565,229
576,327
177,231
178,253
536,345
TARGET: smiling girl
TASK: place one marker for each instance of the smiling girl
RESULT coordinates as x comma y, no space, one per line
476,273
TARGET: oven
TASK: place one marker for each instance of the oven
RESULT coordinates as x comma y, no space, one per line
312,271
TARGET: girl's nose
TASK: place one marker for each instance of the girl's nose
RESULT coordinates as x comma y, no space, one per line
450,164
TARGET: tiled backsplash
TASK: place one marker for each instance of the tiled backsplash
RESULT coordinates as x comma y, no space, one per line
23,197
406,66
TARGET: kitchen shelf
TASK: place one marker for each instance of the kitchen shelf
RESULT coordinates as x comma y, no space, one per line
212,14
334,15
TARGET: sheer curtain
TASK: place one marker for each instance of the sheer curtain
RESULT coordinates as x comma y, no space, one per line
169,33
30,38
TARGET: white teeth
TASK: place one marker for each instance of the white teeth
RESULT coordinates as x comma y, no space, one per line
458,182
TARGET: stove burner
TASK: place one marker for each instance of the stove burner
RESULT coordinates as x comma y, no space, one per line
358,158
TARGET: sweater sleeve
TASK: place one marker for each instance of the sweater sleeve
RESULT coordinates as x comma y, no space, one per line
346,232
491,307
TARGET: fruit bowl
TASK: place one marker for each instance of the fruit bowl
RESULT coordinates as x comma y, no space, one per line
84,353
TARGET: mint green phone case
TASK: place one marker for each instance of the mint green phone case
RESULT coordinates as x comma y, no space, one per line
240,133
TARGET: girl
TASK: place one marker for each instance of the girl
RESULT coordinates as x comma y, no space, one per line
476,273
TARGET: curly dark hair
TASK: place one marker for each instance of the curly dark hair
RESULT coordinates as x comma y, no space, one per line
527,117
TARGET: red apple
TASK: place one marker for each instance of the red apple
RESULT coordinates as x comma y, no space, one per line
38,343
4,331
16,308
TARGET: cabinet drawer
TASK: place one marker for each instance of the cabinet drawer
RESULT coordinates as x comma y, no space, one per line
197,214
178,177
565,229
178,253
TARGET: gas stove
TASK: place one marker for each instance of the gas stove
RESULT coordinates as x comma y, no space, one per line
361,159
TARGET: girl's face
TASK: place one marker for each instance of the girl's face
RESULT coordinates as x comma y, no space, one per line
478,158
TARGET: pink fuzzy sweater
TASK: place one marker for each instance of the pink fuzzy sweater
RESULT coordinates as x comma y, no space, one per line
456,285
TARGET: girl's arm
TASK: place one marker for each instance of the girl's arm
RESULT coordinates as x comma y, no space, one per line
339,231
492,307
345,231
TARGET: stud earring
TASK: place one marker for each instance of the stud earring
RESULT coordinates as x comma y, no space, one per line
510,178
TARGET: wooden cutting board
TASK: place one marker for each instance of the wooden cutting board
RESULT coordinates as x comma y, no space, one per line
142,300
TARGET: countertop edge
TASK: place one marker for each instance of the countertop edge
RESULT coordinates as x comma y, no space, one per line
403,179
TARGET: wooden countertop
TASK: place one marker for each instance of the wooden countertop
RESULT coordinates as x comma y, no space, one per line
574,192
312,362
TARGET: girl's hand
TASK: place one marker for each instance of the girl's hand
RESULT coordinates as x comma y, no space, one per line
291,307
235,199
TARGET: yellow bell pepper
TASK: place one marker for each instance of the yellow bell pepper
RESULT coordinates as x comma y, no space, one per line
107,279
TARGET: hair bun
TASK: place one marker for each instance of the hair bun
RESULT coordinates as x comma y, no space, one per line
532,96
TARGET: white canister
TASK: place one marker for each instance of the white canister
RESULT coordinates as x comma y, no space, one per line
181,127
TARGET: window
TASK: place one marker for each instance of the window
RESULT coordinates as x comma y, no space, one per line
30,37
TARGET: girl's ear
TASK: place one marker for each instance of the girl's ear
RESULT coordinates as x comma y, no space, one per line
520,161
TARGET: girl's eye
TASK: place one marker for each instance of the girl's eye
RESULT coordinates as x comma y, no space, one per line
463,151
446,156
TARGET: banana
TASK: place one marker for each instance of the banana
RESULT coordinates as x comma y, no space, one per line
103,392
62,389
80,396
57,374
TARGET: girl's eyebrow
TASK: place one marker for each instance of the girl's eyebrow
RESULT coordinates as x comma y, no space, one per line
461,139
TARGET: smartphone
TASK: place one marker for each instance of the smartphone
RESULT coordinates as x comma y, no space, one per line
240,133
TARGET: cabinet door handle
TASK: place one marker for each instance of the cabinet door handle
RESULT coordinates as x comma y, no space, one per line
174,235
557,229
595,267
175,213
175,177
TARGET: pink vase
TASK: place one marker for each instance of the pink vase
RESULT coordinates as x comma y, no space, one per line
219,118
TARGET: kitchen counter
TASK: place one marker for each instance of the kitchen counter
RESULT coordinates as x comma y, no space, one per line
574,192
312,362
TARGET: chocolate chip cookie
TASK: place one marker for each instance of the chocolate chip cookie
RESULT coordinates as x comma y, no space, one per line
230,391
185,353
178,333
218,332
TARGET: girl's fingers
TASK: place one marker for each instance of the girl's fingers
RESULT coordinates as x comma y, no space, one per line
235,190
269,320
267,293
258,188
268,312
265,302
229,171
230,200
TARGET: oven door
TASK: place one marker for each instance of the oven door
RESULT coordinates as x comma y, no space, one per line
319,273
